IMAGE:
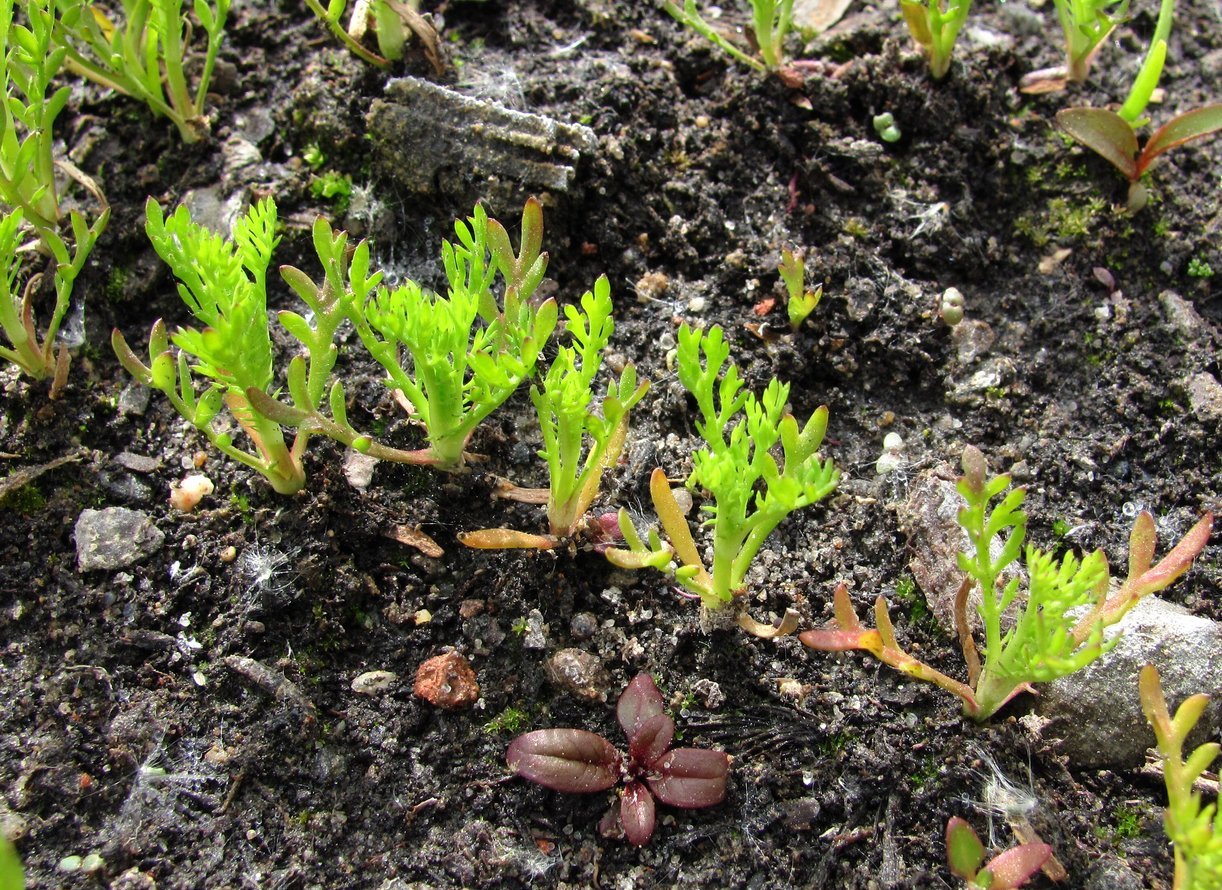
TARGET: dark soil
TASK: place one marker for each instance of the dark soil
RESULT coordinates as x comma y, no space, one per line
129,735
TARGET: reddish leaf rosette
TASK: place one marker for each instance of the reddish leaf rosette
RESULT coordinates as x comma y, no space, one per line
577,761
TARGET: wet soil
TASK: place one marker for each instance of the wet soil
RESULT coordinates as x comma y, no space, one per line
134,730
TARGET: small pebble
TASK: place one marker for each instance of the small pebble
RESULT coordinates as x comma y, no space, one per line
374,682
447,681
579,673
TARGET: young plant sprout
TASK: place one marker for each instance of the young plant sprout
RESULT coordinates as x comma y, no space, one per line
1112,137
28,186
935,26
579,762
752,491
392,22
1005,871
1194,827
800,302
1048,641
771,21
468,354
224,284
1111,134
1085,24
886,128
566,421
144,55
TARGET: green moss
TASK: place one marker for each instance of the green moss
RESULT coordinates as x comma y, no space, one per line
854,227
510,721
116,284
335,187
1199,268
1060,221
26,500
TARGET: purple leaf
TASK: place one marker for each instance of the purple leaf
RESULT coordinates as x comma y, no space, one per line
652,740
571,760
1015,866
636,813
639,701
691,778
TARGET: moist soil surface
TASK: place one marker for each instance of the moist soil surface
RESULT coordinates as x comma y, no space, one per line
191,719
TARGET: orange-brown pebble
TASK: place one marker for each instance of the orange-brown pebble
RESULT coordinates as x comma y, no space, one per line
447,681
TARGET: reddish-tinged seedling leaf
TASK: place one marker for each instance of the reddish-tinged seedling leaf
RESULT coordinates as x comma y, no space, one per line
840,640
639,701
1188,126
964,852
1105,133
1015,866
652,740
691,778
636,814
571,760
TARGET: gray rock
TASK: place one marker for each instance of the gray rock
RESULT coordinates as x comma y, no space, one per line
114,538
425,135
1096,712
1205,396
579,673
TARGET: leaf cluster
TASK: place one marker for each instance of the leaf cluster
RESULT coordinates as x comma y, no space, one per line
751,490
31,61
1051,637
144,54
468,354
576,761
567,423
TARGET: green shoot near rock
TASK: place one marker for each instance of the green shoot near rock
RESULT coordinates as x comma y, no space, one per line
752,492
144,54
1193,827
563,404
1086,24
468,353
1051,638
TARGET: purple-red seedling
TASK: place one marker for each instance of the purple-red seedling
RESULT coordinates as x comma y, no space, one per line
581,762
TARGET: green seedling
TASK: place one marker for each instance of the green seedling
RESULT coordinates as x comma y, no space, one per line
468,353
1048,641
1194,827
144,55
392,23
752,492
800,302
886,128
1085,24
1005,871
935,26
771,21
567,424
223,282
28,186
